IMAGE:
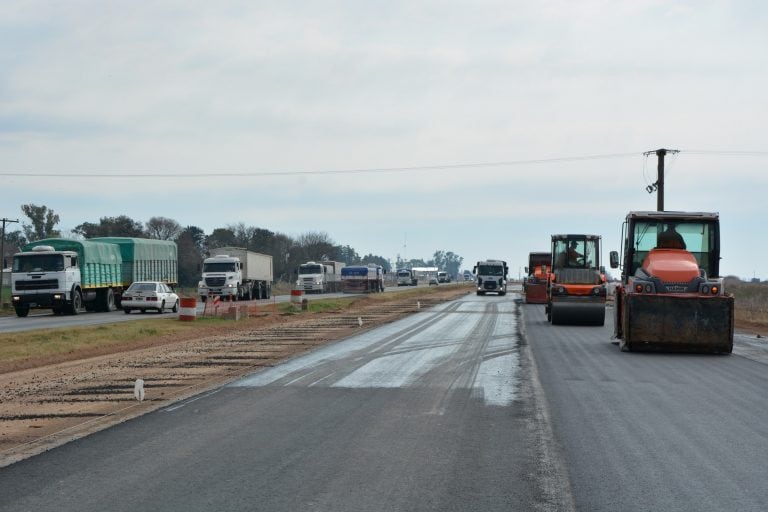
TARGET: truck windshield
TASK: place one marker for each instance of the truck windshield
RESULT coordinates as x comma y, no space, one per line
38,263
224,266
576,253
696,237
403,273
310,269
490,270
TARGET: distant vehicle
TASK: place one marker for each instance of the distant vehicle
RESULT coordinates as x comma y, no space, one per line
434,281
362,279
468,276
576,287
320,277
535,282
144,295
235,273
442,277
406,278
491,276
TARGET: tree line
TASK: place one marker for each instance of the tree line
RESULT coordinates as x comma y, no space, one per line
194,244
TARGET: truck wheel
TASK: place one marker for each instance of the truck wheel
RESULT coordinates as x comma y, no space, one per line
77,303
203,298
22,311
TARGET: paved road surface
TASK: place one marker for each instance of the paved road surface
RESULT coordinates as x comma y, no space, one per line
433,412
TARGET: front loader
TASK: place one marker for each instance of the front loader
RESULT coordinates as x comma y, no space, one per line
671,296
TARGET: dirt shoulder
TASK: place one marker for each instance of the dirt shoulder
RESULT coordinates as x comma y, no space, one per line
48,401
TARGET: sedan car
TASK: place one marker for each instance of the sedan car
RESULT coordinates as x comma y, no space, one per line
144,295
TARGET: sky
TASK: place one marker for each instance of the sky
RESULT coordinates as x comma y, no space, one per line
396,127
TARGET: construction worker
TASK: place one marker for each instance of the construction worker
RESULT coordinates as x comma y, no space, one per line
670,239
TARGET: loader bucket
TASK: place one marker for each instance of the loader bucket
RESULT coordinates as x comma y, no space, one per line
678,323
578,311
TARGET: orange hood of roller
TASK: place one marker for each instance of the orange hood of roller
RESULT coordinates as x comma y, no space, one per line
671,265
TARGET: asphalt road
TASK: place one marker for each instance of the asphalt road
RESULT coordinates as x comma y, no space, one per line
449,409
654,431
433,412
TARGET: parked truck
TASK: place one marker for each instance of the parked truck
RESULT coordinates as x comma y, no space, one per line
491,276
69,276
320,277
362,279
234,273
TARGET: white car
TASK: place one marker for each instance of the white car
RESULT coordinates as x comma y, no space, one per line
144,295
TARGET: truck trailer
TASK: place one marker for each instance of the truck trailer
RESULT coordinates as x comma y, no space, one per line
362,279
68,276
320,277
235,273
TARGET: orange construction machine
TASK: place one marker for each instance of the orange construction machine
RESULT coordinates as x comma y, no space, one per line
535,283
671,295
576,285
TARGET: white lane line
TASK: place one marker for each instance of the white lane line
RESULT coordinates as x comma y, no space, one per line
186,402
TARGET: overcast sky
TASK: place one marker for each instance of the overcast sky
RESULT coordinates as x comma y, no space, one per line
216,113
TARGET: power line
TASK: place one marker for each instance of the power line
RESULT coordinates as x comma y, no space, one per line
146,174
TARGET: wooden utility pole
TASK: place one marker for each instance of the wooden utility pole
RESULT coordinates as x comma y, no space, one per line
659,185
2,257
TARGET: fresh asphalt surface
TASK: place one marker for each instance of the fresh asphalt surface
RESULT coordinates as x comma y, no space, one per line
439,411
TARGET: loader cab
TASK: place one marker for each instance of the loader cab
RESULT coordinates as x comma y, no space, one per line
644,231
576,252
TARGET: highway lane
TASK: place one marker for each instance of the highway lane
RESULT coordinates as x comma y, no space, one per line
437,411
45,319
653,431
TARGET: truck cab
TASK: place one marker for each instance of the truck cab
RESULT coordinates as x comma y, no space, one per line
44,278
491,277
406,278
222,275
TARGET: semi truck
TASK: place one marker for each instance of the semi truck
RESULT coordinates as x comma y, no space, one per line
671,294
491,276
320,277
535,281
235,273
576,291
69,276
362,279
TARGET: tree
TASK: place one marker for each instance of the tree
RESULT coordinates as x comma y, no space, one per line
43,222
199,237
190,259
316,246
377,260
221,237
448,261
111,226
13,243
162,228
347,255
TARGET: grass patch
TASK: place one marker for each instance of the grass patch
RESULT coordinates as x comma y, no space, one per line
45,343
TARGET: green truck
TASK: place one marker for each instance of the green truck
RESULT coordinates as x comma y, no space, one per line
68,276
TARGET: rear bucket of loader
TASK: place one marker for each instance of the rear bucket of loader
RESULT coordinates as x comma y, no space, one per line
678,323
578,311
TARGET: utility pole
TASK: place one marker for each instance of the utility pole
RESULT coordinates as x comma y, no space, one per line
2,257
659,185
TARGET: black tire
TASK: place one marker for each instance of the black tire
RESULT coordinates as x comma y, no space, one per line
127,311
107,300
203,298
22,311
77,303
161,309
143,311
58,310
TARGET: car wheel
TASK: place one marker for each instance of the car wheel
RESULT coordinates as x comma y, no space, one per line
175,306
127,311
161,309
